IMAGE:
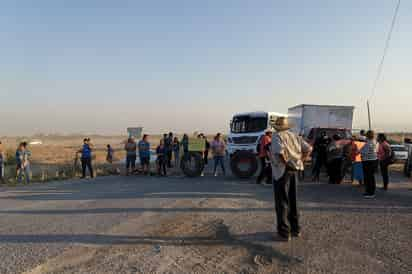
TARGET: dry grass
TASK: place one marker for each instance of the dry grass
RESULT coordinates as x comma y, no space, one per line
55,158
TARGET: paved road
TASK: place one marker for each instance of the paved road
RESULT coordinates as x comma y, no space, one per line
204,225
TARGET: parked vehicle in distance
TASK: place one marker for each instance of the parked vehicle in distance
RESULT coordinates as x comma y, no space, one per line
246,129
407,169
310,120
401,153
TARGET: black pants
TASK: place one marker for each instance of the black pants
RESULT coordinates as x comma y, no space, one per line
335,171
206,157
265,172
161,165
385,173
87,163
285,191
320,161
169,155
369,169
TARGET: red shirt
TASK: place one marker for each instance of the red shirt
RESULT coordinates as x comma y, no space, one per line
263,143
383,151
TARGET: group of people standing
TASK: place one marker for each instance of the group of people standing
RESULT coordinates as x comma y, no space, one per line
170,147
282,155
143,148
375,153
22,159
362,154
171,151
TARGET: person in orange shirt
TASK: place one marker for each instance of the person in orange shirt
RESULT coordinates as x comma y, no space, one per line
263,148
357,167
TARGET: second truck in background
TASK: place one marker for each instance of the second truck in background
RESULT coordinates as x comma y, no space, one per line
310,120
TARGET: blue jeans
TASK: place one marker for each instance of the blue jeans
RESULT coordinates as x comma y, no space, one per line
219,160
131,161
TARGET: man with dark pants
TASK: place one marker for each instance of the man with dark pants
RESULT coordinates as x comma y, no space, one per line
384,156
263,145
370,163
86,158
288,152
168,149
320,152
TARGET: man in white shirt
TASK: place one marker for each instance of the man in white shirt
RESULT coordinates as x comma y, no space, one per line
288,152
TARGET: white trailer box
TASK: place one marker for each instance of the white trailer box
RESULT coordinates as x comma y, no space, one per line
306,117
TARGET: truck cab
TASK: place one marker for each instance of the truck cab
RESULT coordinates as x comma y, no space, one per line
247,128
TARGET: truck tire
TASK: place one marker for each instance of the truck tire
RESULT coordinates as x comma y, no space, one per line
193,165
244,164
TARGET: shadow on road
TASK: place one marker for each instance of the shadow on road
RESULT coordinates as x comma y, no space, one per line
253,243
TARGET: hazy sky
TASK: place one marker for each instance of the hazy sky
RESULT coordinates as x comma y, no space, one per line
184,65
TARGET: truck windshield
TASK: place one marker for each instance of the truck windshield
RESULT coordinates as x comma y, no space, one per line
247,124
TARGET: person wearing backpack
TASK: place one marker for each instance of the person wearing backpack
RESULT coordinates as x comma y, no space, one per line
288,153
385,156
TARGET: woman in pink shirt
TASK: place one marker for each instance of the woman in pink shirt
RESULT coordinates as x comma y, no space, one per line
384,156
219,151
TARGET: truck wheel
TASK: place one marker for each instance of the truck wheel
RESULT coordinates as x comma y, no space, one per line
193,165
244,164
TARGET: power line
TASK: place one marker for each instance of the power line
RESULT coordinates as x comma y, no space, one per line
385,50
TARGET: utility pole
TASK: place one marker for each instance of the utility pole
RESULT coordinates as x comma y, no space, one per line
369,115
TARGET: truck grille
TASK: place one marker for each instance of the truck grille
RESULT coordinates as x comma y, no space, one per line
245,140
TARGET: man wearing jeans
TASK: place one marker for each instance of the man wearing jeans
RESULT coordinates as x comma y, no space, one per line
288,152
86,158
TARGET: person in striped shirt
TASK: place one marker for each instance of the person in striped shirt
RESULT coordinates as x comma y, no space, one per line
369,154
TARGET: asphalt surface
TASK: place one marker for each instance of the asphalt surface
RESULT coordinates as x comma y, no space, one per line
202,225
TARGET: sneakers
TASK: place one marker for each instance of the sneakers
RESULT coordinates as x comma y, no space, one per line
368,196
296,234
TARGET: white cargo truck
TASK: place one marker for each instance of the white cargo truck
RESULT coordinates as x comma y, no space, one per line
246,129
310,120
